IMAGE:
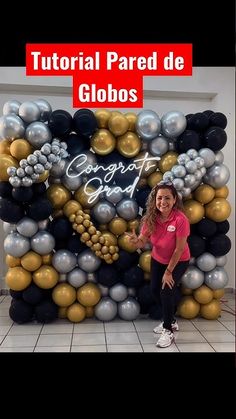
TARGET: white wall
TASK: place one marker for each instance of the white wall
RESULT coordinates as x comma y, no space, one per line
208,88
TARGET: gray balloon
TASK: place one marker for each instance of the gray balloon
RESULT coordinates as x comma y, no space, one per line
88,261
189,181
59,169
148,125
191,166
77,278
199,162
192,278
42,242
27,227
104,290
219,157
132,292
11,127
173,123
192,153
178,170
52,180
129,309
208,156
118,292
72,182
217,176
38,134
114,195
104,212
11,106
168,176
178,184
127,209
29,112
45,109
16,245
106,309
159,146
64,261
183,158
206,262
217,278
8,227
221,261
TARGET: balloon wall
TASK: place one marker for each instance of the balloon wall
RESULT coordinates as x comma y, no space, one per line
72,186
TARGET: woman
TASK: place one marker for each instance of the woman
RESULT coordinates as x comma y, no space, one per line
167,228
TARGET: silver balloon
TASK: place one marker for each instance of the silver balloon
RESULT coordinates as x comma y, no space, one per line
198,174
77,278
217,278
37,133
14,181
72,183
59,169
159,146
171,145
189,181
27,227
118,292
178,184
185,192
203,170
217,176
42,242
8,227
173,123
168,176
11,106
104,212
208,156
148,125
206,262
129,309
81,162
106,309
114,195
42,225
221,261
92,277
16,245
132,292
192,153
219,157
52,180
11,127
127,209
192,278
183,158
104,290
191,166
199,162
64,261
45,109
29,112
178,170
88,261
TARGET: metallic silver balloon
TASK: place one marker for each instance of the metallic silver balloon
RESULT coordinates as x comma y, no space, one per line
92,277
217,278
127,209
27,227
52,180
129,309
199,162
118,292
206,262
159,146
217,175
106,309
29,112
104,290
192,278
77,278
16,245
183,158
221,261
8,227
45,109
114,195
42,225
42,242
203,170
189,181
198,174
178,183
173,123
104,212
191,166
88,261
219,157
148,125
11,106
185,192
72,183
14,181
168,176
208,156
192,153
178,170
64,261
38,134
59,169
11,127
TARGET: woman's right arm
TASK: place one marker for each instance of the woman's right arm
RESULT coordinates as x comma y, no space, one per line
138,241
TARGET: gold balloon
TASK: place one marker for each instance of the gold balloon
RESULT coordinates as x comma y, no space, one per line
76,313
211,311
118,226
134,224
154,178
64,295
5,147
125,244
103,142
43,176
194,211
58,195
31,261
145,261
132,118
47,259
218,293
218,210
149,166
89,311
186,198
118,124
222,192
111,238
129,144
167,161
12,262
188,308
82,197
186,291
204,194
89,294
203,294
103,227
71,207
62,312
18,278
102,117
20,149
46,277
5,162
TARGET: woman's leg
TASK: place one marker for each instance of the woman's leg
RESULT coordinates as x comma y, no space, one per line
157,272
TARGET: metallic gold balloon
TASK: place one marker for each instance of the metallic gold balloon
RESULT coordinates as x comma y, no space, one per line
203,294
62,312
89,294
89,312
186,291
111,238
43,176
46,277
145,261
20,149
129,144
47,259
186,198
76,313
5,162
18,278
71,207
149,166
194,211
103,227
132,118
102,117
154,178
82,197
5,147
118,124
211,311
204,194
125,244
118,226
218,210
58,195
168,161
134,224
222,192
12,262
64,295
31,261
188,307
103,142
218,293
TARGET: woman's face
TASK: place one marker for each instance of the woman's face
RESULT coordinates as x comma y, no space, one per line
164,201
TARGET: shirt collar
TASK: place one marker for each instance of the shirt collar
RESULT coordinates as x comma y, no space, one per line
170,218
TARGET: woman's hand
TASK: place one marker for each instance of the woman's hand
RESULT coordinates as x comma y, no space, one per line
133,238
167,279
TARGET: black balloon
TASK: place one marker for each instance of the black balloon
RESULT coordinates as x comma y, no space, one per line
84,122
208,113
126,260
17,295
107,275
61,228
76,144
218,119
46,311
189,139
75,245
39,188
10,211
33,294
215,138
141,196
60,123
222,227
20,311
5,190
40,209
22,194
206,227
198,122
219,245
133,277
197,245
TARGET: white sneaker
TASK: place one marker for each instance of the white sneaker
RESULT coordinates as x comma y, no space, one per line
159,329
166,339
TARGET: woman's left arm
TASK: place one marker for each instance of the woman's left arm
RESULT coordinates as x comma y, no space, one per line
167,277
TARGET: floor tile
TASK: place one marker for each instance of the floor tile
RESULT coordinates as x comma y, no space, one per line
195,347
51,329
54,340
4,330
188,337
154,348
89,328
148,337
52,349
124,348
25,329
223,336
122,338
89,348
17,349
88,339
224,347
209,325
229,325
19,341
119,327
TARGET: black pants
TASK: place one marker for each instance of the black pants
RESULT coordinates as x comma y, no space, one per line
167,298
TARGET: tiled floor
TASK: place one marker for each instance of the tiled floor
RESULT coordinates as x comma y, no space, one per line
198,335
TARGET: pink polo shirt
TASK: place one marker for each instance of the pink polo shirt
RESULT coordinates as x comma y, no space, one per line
164,236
